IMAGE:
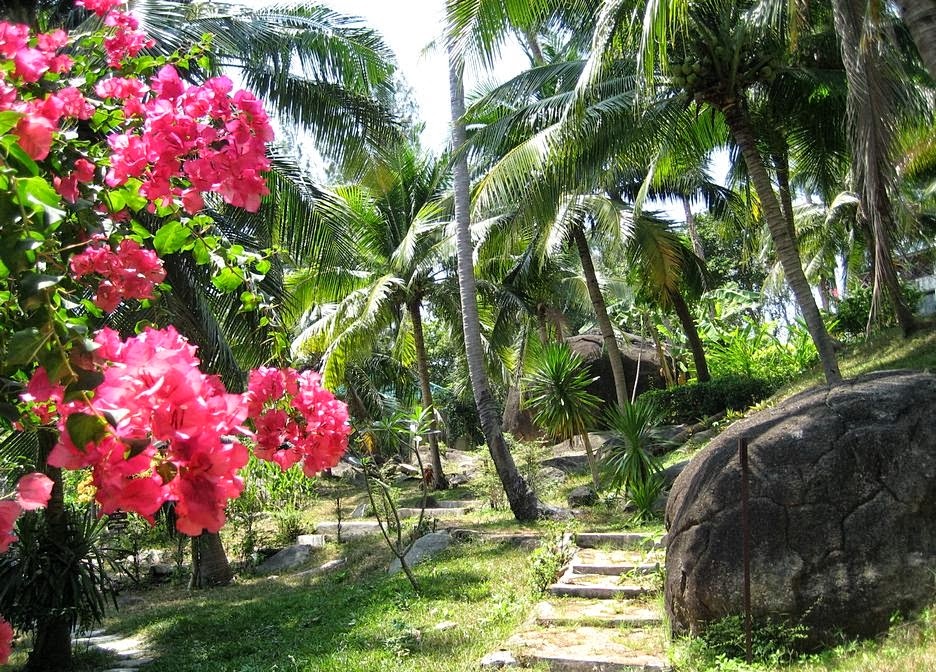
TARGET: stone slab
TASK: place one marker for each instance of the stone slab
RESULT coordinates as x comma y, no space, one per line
598,613
436,512
612,563
349,528
619,540
597,591
590,649
313,540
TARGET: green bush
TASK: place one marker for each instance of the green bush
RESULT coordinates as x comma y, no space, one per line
851,313
721,646
695,401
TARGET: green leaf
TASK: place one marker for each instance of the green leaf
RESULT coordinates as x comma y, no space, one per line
263,266
227,280
19,156
84,429
23,346
33,283
171,238
35,190
87,380
8,119
200,252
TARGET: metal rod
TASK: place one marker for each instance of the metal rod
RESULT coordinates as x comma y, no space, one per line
746,545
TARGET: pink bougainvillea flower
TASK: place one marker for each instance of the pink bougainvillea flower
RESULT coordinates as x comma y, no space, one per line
6,641
9,512
296,419
13,38
35,135
99,7
33,491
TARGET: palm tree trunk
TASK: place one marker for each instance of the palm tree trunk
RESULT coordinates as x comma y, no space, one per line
692,335
592,462
52,649
869,107
523,501
210,565
693,230
439,482
784,244
781,161
601,315
919,16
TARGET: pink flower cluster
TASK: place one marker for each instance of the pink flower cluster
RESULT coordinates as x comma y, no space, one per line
32,492
6,641
130,272
214,141
32,58
295,419
168,431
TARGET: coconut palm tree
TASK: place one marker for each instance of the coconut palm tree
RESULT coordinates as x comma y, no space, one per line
523,501
397,214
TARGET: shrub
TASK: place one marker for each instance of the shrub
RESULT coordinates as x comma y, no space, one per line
695,401
721,646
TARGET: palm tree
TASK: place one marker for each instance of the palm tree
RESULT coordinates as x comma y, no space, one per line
522,499
920,18
398,215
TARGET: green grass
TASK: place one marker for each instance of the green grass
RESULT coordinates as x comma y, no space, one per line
357,619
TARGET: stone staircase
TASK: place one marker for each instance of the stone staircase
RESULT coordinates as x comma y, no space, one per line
603,614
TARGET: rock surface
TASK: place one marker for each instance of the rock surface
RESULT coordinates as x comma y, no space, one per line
583,495
843,511
424,548
289,557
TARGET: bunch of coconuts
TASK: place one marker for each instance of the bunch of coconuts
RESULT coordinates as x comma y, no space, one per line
705,72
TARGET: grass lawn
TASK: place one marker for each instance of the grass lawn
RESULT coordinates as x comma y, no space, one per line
360,619
355,619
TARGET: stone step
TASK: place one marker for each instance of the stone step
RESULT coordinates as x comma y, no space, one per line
436,512
597,591
598,613
613,563
590,649
617,540
349,528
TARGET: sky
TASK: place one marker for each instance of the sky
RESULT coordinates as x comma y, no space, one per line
409,27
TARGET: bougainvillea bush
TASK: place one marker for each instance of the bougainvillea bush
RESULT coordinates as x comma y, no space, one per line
98,140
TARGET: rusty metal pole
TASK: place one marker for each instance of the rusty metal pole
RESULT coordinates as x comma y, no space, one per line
746,545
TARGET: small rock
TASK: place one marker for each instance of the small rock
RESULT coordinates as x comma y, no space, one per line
456,480
311,540
703,436
289,557
584,495
445,625
161,572
409,469
362,510
425,547
671,472
551,476
498,660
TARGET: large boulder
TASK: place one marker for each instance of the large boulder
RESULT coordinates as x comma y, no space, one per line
842,511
